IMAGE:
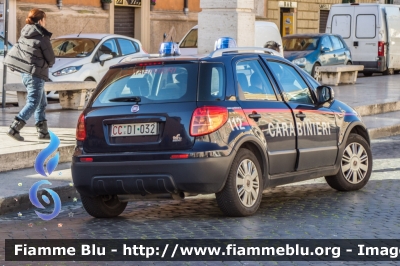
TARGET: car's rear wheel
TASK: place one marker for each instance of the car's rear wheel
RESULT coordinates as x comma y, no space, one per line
242,193
356,165
388,71
103,206
349,63
314,68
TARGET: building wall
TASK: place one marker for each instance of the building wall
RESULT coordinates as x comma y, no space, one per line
95,3
167,16
173,23
307,13
68,20
176,5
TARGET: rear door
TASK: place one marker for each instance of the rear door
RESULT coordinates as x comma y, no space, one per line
146,107
366,35
328,57
341,22
316,126
339,52
393,41
273,117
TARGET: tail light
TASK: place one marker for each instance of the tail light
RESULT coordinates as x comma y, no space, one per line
381,48
80,128
179,156
207,119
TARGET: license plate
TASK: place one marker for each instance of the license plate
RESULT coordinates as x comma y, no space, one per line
137,129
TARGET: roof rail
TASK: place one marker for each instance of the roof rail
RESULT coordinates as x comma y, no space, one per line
258,50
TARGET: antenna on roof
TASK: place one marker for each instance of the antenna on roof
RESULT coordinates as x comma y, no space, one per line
83,28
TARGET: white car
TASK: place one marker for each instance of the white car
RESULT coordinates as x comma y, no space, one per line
264,31
87,57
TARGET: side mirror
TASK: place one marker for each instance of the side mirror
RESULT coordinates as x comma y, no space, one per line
325,49
324,94
105,57
164,36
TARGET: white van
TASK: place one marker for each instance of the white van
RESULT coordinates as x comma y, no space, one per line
264,32
371,31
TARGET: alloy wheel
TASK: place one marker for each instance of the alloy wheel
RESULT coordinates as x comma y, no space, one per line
247,183
354,163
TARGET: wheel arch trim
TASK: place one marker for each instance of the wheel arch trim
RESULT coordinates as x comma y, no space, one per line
354,127
254,144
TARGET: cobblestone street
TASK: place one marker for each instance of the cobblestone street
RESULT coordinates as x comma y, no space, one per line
307,210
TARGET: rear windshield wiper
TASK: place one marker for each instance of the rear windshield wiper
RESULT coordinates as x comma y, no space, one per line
126,99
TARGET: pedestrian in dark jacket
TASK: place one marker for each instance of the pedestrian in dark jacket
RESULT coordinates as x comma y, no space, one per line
32,55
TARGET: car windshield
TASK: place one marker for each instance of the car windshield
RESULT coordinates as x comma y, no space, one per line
71,48
300,43
190,40
148,84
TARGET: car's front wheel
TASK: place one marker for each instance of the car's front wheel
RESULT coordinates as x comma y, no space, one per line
103,206
314,69
242,193
356,165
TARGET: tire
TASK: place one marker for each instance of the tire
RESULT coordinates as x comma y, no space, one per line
103,206
242,200
89,92
352,169
313,69
349,63
388,71
367,74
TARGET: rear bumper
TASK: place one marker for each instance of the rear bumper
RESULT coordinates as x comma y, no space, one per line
193,175
373,66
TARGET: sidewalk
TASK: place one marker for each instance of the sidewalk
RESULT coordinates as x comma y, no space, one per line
376,98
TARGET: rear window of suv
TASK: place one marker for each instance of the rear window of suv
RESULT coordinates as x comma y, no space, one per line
155,83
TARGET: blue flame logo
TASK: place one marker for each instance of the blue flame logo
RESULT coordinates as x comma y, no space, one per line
44,154
39,167
35,201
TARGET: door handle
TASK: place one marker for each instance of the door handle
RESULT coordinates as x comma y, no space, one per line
301,115
255,116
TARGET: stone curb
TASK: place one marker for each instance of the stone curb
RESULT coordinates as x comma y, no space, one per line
21,202
26,159
379,108
381,132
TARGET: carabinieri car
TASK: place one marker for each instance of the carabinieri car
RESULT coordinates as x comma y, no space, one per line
233,123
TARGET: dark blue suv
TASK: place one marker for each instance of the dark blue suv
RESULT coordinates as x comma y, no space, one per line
232,123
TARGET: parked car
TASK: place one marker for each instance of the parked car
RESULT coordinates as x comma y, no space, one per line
311,50
372,33
87,57
264,31
229,123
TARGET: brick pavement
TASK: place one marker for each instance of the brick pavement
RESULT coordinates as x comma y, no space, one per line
305,210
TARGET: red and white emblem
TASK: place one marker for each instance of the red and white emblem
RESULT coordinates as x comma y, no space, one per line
135,108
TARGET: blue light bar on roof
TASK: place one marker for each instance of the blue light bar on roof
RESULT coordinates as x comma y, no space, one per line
225,42
169,49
